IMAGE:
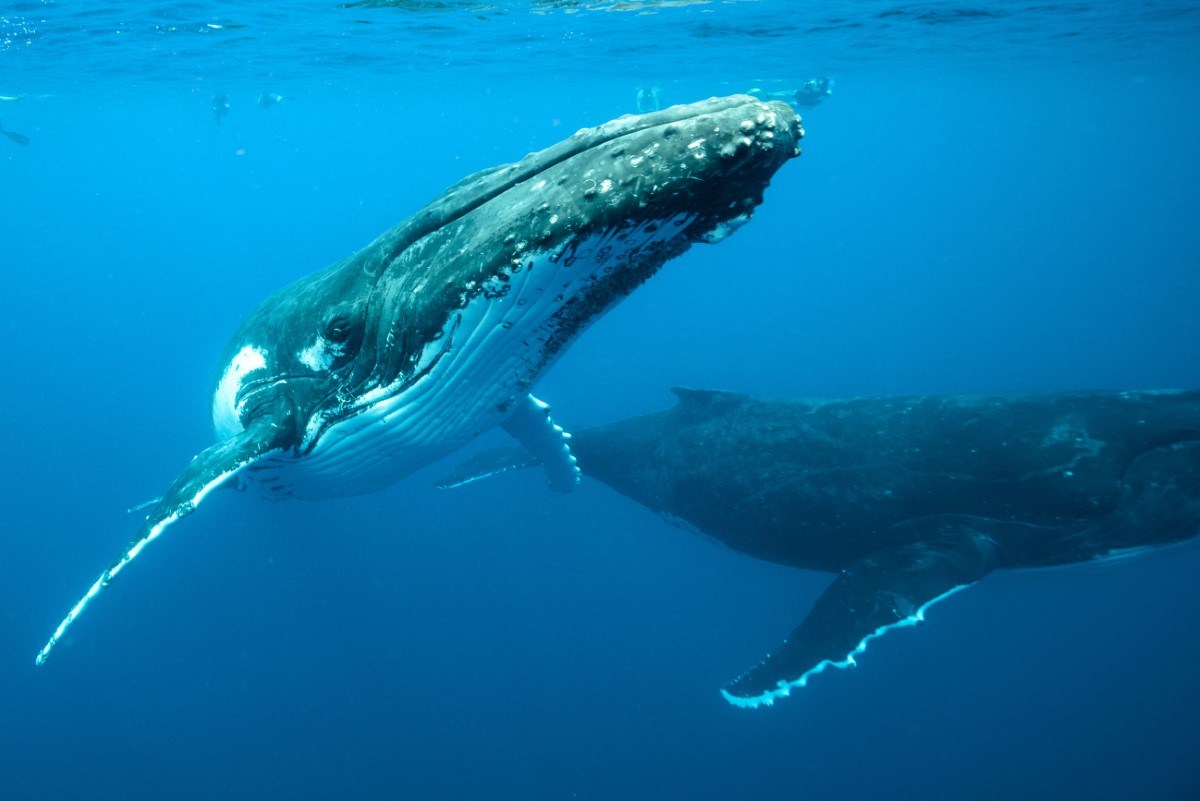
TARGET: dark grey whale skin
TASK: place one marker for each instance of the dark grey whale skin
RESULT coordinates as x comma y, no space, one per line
906,499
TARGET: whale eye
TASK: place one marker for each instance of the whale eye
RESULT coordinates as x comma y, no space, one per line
343,334
339,329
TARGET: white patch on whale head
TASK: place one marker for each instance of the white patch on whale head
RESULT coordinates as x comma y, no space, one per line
321,354
226,411
315,357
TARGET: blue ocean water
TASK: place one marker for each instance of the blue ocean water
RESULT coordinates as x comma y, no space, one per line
998,196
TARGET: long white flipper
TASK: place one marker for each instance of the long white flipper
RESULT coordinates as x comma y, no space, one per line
209,470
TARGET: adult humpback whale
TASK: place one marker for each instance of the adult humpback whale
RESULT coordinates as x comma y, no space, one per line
355,376
906,499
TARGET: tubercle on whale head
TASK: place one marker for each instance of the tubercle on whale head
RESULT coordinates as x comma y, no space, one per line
475,190
711,165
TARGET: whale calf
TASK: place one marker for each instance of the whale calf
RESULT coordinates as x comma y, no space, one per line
353,377
906,499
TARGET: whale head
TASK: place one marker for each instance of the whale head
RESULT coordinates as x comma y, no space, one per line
406,350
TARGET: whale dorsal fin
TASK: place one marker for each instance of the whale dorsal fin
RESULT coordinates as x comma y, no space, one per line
709,399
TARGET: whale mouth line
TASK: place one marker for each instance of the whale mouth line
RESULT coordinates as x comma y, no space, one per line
252,390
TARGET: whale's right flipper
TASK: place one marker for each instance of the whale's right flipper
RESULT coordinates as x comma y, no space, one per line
531,425
881,591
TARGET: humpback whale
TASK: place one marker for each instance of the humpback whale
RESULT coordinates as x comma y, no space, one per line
353,377
905,499
20,139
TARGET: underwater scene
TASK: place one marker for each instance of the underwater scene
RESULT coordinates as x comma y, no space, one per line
600,399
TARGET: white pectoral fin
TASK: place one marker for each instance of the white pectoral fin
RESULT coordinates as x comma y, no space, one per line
209,470
531,425
887,589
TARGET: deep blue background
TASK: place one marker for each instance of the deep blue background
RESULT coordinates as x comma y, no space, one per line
1019,226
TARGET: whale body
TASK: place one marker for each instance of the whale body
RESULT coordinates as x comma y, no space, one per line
907,500
353,377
